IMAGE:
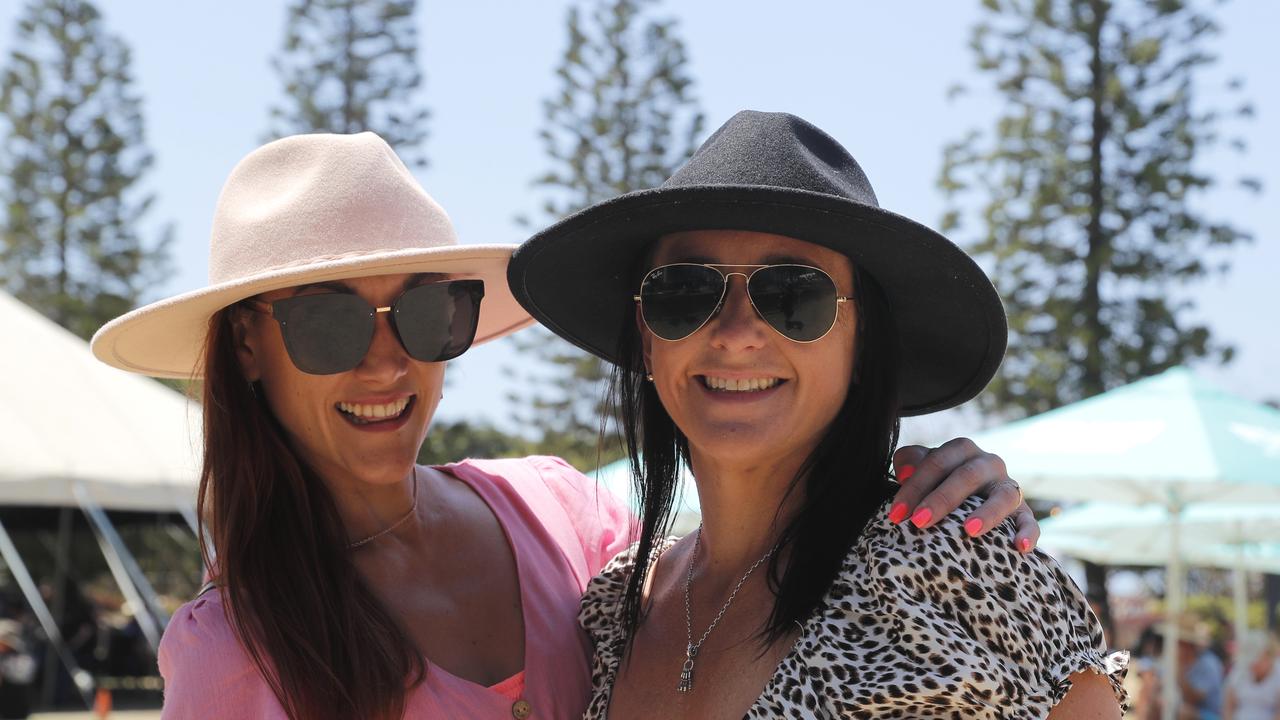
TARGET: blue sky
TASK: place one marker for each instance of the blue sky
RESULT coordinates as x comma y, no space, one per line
873,74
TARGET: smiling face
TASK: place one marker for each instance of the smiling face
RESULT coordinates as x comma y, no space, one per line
362,425
741,392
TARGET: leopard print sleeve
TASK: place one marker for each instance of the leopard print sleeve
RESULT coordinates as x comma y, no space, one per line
974,624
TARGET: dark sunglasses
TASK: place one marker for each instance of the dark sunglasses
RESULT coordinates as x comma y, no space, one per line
331,332
797,301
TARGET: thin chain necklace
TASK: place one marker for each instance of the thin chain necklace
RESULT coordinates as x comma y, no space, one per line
396,524
691,647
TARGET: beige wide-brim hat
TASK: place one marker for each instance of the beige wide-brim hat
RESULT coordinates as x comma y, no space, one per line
307,209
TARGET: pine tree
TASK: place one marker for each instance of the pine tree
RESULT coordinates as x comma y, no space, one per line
350,66
1087,190
74,154
623,119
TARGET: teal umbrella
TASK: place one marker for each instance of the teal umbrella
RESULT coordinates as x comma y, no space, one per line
616,478
1172,440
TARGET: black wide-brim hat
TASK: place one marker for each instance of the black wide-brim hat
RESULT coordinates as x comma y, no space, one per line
774,173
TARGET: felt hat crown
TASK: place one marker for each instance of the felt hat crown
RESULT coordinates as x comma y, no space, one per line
306,209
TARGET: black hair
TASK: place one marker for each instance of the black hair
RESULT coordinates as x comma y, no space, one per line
844,480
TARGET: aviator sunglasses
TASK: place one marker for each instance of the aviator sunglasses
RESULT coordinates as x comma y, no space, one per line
331,332
798,301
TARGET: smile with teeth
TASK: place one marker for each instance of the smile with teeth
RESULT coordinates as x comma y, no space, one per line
738,385
362,414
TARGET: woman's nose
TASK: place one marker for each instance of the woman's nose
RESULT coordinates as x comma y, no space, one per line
386,355
737,325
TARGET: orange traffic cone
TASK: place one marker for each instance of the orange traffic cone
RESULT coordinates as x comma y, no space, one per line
102,703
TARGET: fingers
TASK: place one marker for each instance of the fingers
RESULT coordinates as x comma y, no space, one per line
942,479
1028,534
1001,500
936,482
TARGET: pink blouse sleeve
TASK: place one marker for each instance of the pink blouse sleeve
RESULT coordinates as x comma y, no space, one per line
602,523
207,673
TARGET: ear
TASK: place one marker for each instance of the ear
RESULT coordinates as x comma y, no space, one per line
646,341
246,343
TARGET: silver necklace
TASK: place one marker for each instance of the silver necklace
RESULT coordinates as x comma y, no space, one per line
397,523
691,647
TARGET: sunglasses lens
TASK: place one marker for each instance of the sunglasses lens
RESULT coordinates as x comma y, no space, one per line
676,300
797,301
437,322
325,334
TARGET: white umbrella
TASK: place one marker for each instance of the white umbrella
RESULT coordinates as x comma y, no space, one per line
1240,538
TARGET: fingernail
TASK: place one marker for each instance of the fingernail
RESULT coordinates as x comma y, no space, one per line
922,517
905,473
973,526
1024,544
898,513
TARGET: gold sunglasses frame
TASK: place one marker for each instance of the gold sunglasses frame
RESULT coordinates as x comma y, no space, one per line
746,278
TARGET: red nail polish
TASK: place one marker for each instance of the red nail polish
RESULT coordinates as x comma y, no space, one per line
1025,545
905,473
898,513
922,517
973,526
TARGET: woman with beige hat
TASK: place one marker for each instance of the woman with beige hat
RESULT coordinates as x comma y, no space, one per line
349,582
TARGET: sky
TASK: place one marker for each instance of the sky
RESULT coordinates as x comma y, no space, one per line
872,74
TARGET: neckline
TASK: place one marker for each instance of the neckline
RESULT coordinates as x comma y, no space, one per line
521,565
790,663
779,671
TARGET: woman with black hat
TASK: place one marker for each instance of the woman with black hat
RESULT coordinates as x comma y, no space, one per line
348,581
770,325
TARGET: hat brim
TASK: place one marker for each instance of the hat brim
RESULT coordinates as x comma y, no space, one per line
166,338
578,276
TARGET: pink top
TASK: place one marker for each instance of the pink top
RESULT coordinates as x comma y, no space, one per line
562,532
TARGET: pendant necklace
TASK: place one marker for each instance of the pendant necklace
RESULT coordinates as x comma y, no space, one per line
691,648
397,523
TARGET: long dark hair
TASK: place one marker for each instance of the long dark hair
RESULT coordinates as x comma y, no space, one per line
320,637
844,480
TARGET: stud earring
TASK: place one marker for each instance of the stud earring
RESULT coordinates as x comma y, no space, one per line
649,377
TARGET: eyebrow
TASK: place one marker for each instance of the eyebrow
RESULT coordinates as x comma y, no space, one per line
342,287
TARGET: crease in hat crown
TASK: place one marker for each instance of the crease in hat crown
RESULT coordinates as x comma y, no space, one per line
760,149
310,199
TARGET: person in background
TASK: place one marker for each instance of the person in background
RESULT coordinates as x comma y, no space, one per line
17,671
1253,685
1201,673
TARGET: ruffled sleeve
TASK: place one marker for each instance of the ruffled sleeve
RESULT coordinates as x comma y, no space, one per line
1017,623
207,673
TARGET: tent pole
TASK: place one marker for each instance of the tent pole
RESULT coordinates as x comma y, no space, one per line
125,569
1170,694
79,678
61,561
1240,592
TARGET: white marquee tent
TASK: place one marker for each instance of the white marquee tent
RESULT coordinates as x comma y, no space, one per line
67,419
75,433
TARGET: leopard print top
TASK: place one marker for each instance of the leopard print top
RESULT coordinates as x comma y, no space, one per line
919,624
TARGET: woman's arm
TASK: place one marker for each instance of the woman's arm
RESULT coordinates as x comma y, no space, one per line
1090,698
936,481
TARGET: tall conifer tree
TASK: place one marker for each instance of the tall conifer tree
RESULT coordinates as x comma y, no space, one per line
1087,192
73,155
350,66
623,118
